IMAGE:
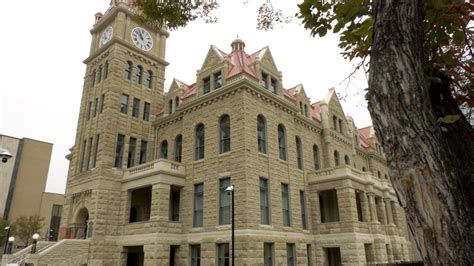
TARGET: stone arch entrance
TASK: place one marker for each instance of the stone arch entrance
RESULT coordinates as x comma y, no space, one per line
81,227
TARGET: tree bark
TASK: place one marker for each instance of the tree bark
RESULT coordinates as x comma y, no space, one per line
431,170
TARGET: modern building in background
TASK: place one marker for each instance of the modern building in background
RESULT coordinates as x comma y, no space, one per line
23,182
149,170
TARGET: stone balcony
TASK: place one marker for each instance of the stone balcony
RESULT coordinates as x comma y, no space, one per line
348,172
161,171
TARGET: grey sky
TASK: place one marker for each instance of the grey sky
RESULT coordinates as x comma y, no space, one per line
44,43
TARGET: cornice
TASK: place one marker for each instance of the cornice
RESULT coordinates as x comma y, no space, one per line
340,138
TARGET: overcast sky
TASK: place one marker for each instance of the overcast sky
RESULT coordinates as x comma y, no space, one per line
44,43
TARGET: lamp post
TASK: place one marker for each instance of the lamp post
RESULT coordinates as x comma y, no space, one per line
35,240
230,189
10,244
6,239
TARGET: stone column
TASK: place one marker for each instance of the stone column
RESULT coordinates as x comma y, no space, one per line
381,209
395,213
364,202
160,199
388,210
315,208
372,209
347,204
156,254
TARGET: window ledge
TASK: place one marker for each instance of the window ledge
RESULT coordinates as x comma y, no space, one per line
223,227
199,161
197,229
288,228
283,161
266,226
263,154
227,153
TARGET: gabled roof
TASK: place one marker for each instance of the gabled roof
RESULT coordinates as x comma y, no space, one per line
189,90
290,93
316,111
364,135
240,63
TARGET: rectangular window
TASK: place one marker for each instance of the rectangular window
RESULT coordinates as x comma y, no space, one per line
175,195
290,254
124,104
268,256
198,205
143,152
332,256
217,80
102,101
195,255
223,254
119,151
95,107
96,150
264,80
328,206
358,196
83,153
146,111
132,144
89,111
264,208
309,255
206,85
136,107
224,201
285,204
303,210
89,152
273,85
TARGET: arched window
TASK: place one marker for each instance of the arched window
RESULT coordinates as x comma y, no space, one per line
149,79
282,141
299,153
334,122
170,106
317,164
128,70
139,74
99,74
379,175
301,108
164,149
178,148
261,134
176,103
347,160
336,158
106,70
199,145
363,169
385,176
93,78
340,126
224,134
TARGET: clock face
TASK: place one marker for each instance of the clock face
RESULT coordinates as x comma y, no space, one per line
106,36
142,39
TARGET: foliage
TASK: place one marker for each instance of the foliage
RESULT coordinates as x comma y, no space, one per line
448,37
3,233
25,226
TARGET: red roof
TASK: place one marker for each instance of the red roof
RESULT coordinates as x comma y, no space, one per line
188,91
316,111
290,93
364,135
240,64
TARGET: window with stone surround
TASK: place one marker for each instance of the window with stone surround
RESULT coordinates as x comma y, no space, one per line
206,85
261,134
328,206
198,205
336,158
223,254
164,149
332,256
175,195
136,108
224,201
359,195
83,153
299,153
178,148
347,160
199,142
334,122
273,85
291,254
124,104
146,111
119,151
285,204
224,134
96,150
99,74
143,151
128,70
268,254
139,75
176,103
102,102
282,142
195,255
316,159
170,106
96,106
132,145
140,205
149,79
264,80
309,255
304,220
89,152
105,72
217,80
264,202
93,78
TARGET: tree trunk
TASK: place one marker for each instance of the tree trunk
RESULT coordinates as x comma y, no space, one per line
432,171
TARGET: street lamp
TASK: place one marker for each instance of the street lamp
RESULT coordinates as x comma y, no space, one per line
5,155
230,189
10,244
35,240
6,239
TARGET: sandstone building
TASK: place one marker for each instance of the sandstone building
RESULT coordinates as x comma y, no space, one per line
149,169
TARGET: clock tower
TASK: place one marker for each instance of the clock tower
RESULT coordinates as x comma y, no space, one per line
123,88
